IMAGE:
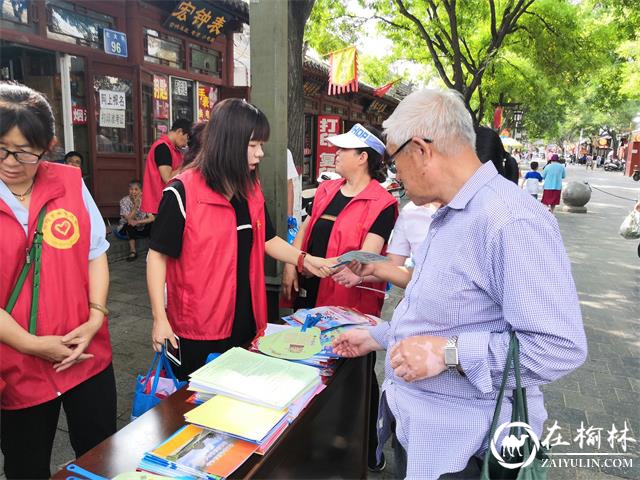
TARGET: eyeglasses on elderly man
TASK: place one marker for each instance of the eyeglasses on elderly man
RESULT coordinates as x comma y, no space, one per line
391,158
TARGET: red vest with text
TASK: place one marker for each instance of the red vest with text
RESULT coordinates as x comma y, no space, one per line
201,282
348,233
153,184
64,287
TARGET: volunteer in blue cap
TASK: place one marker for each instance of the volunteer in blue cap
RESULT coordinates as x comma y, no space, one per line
352,213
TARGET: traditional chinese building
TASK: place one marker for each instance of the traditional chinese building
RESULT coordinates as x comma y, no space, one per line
326,115
117,73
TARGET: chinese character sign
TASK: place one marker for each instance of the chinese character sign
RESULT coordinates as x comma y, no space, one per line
113,100
328,125
160,97
112,118
78,115
207,97
197,19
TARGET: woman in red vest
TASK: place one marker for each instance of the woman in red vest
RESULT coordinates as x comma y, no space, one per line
54,341
353,213
208,243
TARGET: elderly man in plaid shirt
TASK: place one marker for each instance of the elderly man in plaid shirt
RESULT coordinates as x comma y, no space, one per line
469,290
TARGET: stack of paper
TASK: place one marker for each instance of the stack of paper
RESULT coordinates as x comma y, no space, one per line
323,359
255,378
251,397
243,420
196,452
332,317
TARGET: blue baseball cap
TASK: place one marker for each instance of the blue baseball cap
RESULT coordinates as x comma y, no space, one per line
358,137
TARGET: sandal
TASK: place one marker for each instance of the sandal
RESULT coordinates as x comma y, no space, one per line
132,256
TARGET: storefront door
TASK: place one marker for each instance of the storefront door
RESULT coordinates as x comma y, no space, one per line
115,103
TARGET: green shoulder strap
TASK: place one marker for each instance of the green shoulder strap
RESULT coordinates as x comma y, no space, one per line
34,257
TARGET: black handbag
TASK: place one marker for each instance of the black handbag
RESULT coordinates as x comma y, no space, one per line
526,455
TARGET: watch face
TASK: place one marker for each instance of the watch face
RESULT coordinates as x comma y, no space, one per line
450,356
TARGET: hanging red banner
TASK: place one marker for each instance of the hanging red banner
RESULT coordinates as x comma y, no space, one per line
328,125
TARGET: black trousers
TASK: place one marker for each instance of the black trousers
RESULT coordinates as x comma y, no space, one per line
26,435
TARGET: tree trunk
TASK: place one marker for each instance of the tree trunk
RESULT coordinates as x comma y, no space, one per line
299,11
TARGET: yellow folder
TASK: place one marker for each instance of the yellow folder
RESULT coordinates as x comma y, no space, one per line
238,418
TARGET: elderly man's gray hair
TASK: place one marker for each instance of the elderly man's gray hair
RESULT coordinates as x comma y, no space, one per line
439,115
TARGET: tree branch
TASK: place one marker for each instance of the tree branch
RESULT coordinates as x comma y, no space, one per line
492,7
471,60
425,36
544,22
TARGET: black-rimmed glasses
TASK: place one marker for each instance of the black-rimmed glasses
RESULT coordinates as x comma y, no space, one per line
27,158
391,159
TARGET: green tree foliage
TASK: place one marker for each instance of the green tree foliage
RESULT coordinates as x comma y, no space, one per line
546,55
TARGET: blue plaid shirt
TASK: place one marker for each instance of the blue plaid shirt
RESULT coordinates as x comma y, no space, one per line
472,279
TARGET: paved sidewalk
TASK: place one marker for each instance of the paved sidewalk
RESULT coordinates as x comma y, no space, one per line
603,391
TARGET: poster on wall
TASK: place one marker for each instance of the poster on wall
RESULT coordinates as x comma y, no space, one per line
113,100
328,125
112,118
160,97
207,97
78,114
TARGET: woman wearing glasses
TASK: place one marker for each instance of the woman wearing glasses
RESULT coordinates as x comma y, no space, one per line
54,341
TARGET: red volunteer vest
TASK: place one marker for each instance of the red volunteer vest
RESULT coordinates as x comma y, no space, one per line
201,282
153,183
348,233
64,287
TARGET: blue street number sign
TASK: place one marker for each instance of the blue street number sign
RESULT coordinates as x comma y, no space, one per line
115,43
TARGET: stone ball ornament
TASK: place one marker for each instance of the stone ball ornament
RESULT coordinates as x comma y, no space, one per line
575,196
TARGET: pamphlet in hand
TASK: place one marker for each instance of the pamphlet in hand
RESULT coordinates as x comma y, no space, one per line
360,256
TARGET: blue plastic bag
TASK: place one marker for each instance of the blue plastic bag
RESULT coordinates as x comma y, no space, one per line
147,393
292,229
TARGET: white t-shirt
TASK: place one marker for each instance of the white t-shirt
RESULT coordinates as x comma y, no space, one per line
411,229
292,174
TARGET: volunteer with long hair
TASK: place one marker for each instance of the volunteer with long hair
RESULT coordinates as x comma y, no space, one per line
352,213
54,341
209,240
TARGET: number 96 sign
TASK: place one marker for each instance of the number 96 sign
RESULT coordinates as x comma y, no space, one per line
115,43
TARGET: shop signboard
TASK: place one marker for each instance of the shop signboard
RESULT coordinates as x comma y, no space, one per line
114,42
328,125
112,118
198,20
160,97
112,99
78,115
207,97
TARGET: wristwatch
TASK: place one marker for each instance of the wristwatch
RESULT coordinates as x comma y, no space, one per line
451,359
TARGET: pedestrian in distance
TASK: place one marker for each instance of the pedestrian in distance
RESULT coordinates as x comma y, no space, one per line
532,180
553,174
447,341
209,241
54,341
164,161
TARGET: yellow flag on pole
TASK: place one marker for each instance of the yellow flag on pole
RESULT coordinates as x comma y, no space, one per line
343,74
